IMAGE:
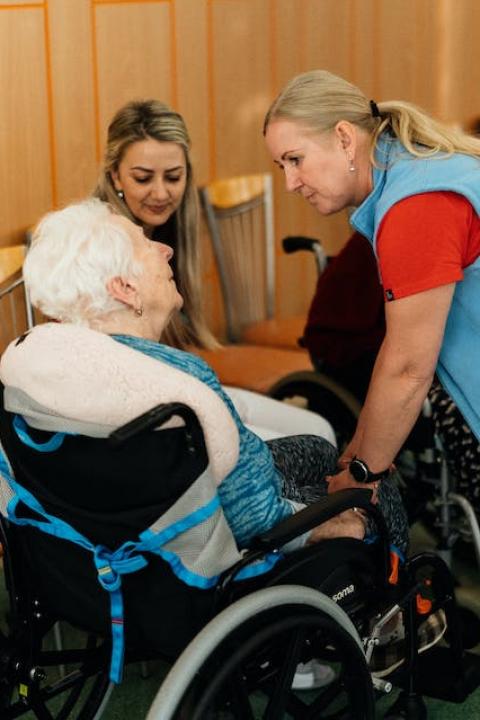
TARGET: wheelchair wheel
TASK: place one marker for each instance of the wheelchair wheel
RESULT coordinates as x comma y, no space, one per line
52,684
321,394
242,665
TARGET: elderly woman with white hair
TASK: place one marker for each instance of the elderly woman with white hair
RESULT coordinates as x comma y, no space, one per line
89,266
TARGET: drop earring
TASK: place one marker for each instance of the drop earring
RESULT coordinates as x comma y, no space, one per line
351,167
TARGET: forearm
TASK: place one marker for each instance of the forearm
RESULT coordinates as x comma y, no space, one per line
393,403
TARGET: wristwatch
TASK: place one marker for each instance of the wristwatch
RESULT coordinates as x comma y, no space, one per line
360,471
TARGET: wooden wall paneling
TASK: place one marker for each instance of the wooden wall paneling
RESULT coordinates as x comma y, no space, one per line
460,70
288,42
132,55
192,83
328,35
240,85
396,46
288,60
73,98
192,102
407,51
15,4
364,44
427,71
25,136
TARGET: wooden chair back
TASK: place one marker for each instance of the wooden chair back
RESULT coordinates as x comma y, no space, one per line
16,315
239,215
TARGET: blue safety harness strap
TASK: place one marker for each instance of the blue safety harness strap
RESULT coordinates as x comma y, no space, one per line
21,428
110,565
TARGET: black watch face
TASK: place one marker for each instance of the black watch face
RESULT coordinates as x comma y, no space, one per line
358,470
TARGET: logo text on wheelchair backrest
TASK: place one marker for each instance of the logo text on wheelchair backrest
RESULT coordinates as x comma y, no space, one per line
341,594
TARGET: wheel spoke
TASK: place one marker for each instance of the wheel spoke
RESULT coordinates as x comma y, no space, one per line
278,701
241,706
250,673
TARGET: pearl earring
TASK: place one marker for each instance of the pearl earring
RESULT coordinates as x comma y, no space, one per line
352,167
120,194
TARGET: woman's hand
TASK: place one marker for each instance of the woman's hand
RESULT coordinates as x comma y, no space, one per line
344,480
350,523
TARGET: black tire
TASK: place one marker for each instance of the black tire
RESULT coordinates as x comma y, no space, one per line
241,666
324,396
256,664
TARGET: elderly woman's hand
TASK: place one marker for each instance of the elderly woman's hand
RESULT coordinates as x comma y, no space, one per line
350,523
344,480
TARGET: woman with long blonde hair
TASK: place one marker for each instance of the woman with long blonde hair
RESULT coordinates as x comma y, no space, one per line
414,186
147,177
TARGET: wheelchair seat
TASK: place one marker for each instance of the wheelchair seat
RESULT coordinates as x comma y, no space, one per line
148,488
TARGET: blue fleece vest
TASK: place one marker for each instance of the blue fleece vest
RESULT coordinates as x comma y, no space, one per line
399,176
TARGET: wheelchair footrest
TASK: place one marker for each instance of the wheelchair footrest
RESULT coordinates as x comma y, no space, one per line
438,676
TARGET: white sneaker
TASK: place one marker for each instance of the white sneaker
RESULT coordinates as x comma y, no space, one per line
312,675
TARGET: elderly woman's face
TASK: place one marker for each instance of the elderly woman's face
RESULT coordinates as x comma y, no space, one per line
156,285
152,176
315,166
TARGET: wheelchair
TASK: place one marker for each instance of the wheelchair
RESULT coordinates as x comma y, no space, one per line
236,639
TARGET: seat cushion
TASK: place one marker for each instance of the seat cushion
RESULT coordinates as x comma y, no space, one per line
254,367
278,332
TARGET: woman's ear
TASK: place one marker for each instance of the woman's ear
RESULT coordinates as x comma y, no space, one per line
115,180
124,290
346,134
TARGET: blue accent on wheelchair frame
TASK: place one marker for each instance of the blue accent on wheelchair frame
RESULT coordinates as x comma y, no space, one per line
259,568
21,428
371,539
399,553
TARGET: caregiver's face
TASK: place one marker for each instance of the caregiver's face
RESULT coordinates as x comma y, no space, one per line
317,166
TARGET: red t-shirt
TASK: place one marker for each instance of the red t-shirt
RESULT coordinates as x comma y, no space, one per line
425,241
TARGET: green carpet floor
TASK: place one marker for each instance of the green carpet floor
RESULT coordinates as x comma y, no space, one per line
132,699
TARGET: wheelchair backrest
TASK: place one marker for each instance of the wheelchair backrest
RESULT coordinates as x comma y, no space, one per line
153,495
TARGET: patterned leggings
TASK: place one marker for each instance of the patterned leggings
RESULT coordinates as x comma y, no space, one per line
304,461
461,445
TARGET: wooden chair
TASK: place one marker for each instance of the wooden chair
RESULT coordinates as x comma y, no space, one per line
16,314
239,215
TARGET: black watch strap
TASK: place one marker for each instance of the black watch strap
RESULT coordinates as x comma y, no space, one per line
360,471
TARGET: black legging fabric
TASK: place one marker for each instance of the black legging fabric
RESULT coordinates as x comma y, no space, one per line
462,448
304,461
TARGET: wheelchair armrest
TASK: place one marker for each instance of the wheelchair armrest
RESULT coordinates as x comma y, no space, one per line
304,520
295,243
316,514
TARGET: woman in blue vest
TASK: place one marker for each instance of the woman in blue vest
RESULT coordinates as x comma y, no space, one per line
414,186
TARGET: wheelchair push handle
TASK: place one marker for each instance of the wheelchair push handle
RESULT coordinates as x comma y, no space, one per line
294,243
155,417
